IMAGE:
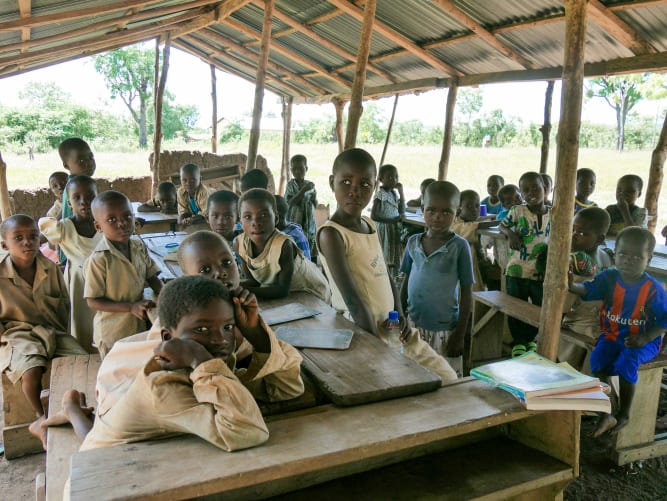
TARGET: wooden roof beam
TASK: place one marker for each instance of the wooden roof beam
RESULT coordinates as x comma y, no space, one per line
618,28
467,21
331,14
25,9
246,30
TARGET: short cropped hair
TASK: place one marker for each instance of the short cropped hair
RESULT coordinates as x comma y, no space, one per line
254,178
259,194
107,197
508,189
16,220
69,144
190,169
355,156
186,295
204,237
442,189
633,178
223,197
469,194
281,206
532,175
596,218
425,183
298,158
585,171
637,234
81,180
57,174
546,178
166,187
498,177
385,169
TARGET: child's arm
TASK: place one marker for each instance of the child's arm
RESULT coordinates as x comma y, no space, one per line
624,209
512,236
375,213
296,199
149,206
282,287
457,339
401,200
246,313
155,283
333,249
404,290
138,309
398,307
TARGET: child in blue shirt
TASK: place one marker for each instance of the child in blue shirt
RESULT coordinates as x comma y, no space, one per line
294,230
633,318
436,264
493,202
509,196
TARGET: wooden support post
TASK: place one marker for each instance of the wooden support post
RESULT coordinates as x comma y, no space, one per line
555,282
339,105
391,126
447,135
287,135
159,97
356,97
5,207
214,112
655,176
264,48
546,127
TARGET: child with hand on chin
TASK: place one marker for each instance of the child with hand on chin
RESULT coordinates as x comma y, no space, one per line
352,258
192,196
625,212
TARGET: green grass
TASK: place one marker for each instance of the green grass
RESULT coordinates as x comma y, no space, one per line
469,167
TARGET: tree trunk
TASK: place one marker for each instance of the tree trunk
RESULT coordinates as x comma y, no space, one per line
214,112
339,105
546,127
143,109
5,206
287,134
389,128
655,176
447,135
159,98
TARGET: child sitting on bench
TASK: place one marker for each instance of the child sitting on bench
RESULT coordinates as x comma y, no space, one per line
192,196
633,318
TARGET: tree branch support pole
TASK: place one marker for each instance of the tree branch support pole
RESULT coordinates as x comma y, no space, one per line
214,112
546,127
389,128
287,136
655,176
159,98
447,135
339,105
264,48
5,207
555,282
356,96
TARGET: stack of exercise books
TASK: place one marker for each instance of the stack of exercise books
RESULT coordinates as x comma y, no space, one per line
541,384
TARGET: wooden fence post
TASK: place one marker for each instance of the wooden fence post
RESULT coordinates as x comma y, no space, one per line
546,127
214,112
5,207
443,165
287,135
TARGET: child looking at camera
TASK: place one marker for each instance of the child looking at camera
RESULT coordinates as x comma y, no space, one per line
493,186
625,212
192,196
388,209
57,183
301,198
165,202
584,188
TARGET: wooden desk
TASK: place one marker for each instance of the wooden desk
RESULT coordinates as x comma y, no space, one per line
155,222
414,219
156,242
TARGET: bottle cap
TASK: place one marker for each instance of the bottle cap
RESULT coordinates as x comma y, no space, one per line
393,316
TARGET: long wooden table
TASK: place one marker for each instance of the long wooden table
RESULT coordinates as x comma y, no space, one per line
155,222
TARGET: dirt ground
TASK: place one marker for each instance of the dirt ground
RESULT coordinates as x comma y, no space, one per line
599,479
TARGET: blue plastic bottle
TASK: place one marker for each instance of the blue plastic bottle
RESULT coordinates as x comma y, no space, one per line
394,331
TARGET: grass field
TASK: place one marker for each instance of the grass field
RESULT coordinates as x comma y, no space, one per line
469,167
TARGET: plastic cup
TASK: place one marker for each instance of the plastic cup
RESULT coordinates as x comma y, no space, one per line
482,210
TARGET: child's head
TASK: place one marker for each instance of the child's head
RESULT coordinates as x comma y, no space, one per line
548,185
469,205
199,309
223,212
388,176
166,195
113,216
208,254
424,185
509,195
257,208
493,184
19,235
254,178
589,228
629,188
352,180
81,190
77,157
439,204
298,167
585,184
281,207
532,189
57,182
190,177
634,248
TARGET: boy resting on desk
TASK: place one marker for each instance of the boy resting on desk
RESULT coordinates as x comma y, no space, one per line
192,196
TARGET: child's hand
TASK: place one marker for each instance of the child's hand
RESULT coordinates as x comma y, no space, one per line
514,240
309,185
246,309
622,203
570,278
140,308
399,187
637,341
177,353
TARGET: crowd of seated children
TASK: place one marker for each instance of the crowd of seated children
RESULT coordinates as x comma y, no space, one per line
585,187
291,229
387,211
417,202
625,212
34,313
57,183
438,270
165,201
351,255
115,273
271,261
301,198
77,237
192,196
493,186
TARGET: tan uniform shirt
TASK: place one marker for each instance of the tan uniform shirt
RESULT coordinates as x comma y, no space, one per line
201,199
109,274
55,209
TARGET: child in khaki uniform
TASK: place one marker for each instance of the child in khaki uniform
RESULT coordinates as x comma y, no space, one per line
33,310
192,196
115,273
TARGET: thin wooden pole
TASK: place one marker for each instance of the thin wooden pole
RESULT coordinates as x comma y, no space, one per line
287,134
264,48
560,239
159,98
447,135
214,112
339,105
655,176
546,127
5,207
356,107
389,127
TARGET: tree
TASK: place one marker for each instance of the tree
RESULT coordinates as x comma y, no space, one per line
44,96
469,103
129,74
622,93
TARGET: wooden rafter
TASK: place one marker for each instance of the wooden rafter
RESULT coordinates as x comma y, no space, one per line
618,28
24,11
399,39
467,21
331,14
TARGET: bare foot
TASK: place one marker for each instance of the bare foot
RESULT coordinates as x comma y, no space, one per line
37,430
606,423
621,422
71,399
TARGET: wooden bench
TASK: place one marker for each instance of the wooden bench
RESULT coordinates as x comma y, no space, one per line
324,443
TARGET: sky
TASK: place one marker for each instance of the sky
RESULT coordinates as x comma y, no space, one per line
189,81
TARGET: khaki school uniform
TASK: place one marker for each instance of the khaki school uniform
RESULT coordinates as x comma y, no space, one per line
33,319
201,199
109,274
55,209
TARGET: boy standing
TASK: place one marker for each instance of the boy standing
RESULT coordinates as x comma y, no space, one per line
584,188
79,160
192,196
493,186
115,273
633,318
625,212
301,198
437,263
